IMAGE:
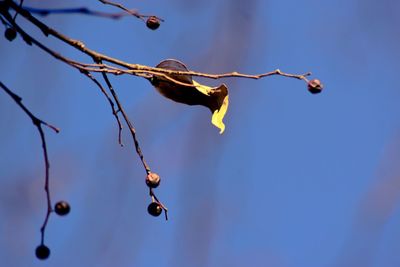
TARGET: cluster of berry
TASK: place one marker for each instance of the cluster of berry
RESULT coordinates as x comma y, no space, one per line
155,208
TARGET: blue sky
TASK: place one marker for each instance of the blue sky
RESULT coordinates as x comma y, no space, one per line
296,180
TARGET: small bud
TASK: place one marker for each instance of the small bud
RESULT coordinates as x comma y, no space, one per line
42,252
315,86
153,23
10,34
154,209
62,208
153,180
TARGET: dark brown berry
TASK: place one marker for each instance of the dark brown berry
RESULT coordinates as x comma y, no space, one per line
154,209
10,34
315,86
42,252
153,23
62,208
153,180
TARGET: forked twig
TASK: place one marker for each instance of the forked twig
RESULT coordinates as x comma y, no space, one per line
38,123
128,122
134,137
114,111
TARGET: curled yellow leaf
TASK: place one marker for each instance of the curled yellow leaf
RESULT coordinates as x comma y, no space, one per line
218,102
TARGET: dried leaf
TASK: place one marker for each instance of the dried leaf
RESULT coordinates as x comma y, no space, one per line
183,89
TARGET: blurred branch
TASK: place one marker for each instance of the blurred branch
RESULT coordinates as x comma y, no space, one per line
78,10
38,123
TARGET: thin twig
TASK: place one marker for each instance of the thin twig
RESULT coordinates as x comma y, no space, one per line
38,123
5,23
129,11
128,122
148,72
154,198
16,13
114,111
18,100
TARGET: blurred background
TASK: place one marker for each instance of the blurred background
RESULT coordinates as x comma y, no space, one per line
296,180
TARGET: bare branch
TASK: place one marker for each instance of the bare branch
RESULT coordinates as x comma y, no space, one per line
18,100
105,65
38,123
134,137
148,72
76,65
135,69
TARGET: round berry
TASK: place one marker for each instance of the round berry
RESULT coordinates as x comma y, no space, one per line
153,23
154,209
10,34
153,180
42,252
315,86
62,208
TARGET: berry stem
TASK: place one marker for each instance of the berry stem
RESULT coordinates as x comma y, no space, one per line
155,199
